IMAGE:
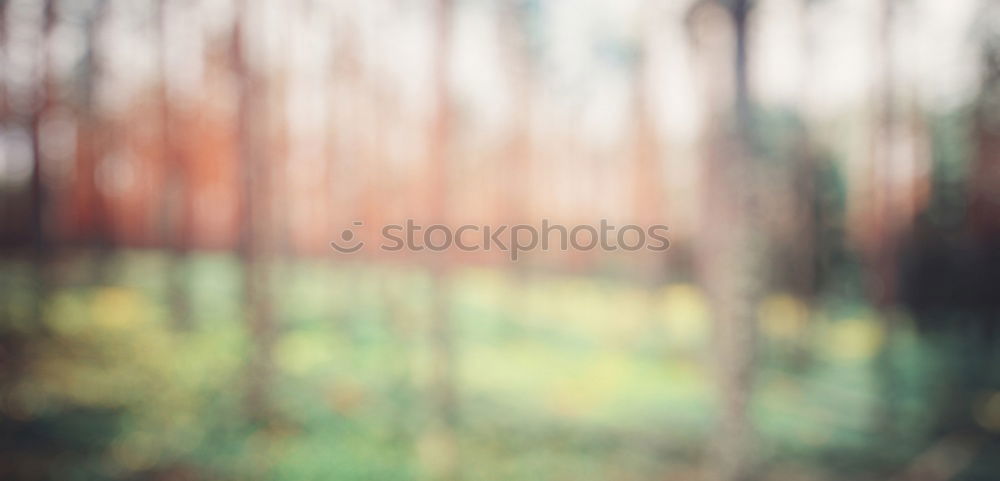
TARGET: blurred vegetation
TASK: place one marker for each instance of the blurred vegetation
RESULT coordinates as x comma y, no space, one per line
560,377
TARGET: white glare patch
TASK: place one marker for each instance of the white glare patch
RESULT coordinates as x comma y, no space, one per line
15,157
57,134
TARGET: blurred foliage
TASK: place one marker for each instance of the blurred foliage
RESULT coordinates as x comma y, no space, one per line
561,377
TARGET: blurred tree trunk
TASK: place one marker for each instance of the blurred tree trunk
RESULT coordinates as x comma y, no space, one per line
984,208
42,243
255,246
980,329
173,210
98,221
42,98
516,196
880,253
42,94
804,243
25,106
647,175
439,447
730,252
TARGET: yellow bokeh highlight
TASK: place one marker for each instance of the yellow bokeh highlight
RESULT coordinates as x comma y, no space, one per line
302,352
782,316
853,339
684,310
117,307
